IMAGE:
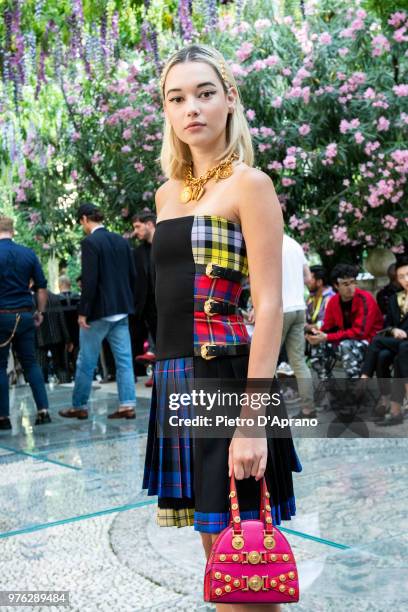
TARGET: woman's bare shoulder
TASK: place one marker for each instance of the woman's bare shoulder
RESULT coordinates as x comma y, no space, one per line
164,192
248,176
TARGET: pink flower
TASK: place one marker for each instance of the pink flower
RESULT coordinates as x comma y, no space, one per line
287,182
383,124
358,137
75,136
286,71
343,51
389,222
250,114
259,65
290,162
369,93
380,45
277,102
21,195
398,249
331,150
304,129
127,134
397,19
139,167
275,166
325,38
126,149
96,157
272,60
400,90
244,51
400,36
339,234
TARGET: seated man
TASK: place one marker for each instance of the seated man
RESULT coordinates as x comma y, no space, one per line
320,294
390,348
351,320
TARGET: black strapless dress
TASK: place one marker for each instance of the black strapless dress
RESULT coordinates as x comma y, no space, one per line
197,316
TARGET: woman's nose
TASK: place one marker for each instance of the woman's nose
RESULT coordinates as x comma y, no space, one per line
192,106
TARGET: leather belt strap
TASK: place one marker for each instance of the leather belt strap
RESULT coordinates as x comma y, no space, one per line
209,351
15,310
215,271
212,307
245,557
229,583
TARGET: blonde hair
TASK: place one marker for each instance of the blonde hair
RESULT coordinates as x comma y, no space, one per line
6,225
175,154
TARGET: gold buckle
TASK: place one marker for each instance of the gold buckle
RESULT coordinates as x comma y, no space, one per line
207,307
203,349
254,557
255,583
209,269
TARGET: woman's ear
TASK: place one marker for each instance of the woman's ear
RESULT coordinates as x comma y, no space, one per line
232,96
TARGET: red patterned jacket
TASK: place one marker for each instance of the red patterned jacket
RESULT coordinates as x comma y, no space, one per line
366,317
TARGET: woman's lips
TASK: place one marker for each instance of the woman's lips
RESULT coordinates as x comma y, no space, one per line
197,126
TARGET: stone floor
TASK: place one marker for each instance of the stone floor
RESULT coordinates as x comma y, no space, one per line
73,517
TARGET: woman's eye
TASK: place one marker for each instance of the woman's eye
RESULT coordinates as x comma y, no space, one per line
207,94
176,99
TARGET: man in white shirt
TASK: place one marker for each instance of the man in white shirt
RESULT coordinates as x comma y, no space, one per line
295,274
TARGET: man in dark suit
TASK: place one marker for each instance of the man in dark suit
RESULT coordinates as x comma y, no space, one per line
144,226
108,280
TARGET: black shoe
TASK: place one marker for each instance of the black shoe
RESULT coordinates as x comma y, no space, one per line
303,415
391,419
5,423
42,418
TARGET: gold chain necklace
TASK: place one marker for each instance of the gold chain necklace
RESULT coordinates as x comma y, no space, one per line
193,188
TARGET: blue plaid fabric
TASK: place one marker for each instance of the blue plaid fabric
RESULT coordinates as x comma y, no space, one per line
213,522
169,461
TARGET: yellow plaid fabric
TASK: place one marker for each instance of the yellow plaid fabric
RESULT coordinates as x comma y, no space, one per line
215,239
168,517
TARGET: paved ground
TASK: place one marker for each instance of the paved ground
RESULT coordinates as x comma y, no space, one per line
73,517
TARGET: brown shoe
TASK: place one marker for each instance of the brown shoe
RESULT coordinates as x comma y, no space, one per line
123,414
74,413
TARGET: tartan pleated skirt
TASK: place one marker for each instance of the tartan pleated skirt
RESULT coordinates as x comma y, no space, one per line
200,260
190,476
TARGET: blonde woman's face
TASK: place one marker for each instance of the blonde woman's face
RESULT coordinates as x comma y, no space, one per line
196,104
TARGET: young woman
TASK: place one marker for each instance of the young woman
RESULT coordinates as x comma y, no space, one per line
215,208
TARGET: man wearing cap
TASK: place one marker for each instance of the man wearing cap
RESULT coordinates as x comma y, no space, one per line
108,281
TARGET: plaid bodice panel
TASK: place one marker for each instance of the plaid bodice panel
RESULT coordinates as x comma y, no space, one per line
198,258
218,241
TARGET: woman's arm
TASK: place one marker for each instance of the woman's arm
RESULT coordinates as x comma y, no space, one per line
262,228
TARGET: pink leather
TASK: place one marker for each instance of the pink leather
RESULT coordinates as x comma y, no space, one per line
222,570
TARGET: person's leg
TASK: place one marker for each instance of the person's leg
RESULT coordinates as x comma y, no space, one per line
207,541
24,344
370,358
398,389
6,327
295,346
352,356
90,341
119,340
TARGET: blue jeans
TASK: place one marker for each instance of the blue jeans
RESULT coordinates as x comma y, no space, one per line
90,342
24,345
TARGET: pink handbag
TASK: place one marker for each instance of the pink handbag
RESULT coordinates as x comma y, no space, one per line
251,561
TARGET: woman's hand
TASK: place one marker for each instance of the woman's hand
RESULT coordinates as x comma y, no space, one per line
400,334
247,456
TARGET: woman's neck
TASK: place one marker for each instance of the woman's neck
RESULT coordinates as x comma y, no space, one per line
205,159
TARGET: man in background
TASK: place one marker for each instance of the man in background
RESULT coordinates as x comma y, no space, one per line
144,322
18,321
108,278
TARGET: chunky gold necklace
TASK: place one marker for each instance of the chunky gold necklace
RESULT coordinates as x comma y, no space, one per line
193,188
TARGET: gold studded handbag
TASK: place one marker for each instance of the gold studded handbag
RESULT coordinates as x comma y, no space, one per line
251,561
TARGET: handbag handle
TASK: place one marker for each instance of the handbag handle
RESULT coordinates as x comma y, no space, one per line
265,514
